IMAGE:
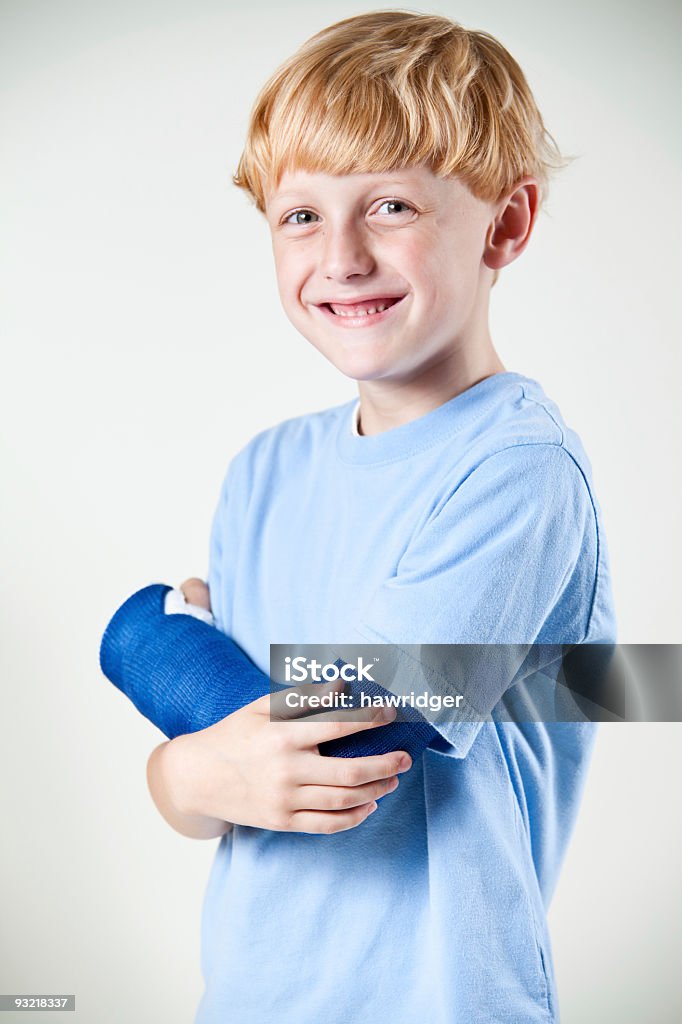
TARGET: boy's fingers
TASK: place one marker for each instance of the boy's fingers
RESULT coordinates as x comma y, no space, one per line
338,798
196,592
332,725
351,771
293,702
329,822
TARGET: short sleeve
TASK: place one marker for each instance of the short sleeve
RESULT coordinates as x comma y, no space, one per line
228,526
510,550
218,554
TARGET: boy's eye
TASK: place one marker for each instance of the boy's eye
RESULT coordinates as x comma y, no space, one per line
300,217
394,206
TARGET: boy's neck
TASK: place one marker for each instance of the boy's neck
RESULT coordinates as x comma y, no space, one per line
385,404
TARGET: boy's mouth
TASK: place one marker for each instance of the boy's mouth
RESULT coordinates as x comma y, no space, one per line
362,307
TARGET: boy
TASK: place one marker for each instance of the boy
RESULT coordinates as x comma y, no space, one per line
400,161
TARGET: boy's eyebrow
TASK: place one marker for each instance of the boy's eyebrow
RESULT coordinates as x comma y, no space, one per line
379,184
383,183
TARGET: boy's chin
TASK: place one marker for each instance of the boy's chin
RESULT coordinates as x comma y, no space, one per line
362,373
359,366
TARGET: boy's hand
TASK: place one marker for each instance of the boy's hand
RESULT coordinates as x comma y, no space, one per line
250,770
196,592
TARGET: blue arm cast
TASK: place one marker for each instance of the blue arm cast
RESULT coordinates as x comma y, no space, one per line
184,675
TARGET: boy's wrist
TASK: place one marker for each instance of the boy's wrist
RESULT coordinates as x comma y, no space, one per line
171,774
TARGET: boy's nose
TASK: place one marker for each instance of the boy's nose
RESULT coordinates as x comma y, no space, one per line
345,252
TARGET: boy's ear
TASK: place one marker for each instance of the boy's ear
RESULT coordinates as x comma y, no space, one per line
509,233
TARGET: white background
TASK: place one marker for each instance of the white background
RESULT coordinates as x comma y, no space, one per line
143,345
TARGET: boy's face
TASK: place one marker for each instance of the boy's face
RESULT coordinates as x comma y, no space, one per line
345,246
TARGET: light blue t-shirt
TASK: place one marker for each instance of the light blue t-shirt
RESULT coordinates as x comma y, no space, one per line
476,523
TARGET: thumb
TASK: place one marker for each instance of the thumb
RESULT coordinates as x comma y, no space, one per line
196,592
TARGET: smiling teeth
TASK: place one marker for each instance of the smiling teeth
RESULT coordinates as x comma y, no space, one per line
359,312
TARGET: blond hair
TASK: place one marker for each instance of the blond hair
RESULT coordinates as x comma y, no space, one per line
395,88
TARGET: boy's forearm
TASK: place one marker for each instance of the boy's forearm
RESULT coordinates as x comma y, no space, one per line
164,779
